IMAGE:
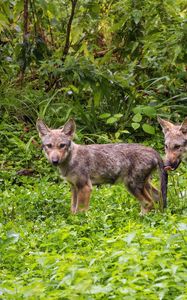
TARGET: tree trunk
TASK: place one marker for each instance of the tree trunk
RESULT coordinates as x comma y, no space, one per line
25,41
68,31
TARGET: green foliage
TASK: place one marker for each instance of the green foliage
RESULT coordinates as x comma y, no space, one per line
126,63
108,253
125,58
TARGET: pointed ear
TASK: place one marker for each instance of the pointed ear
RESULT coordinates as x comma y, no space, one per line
69,128
166,125
183,127
42,128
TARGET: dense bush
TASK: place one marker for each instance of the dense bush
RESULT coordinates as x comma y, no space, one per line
113,65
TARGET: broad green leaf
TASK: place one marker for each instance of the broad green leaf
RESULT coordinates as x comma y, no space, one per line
137,14
137,118
145,110
149,111
111,120
117,134
148,128
135,125
138,109
118,116
104,116
124,131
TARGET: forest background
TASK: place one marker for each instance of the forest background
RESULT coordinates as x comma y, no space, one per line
113,66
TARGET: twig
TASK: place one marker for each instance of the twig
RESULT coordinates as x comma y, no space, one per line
68,31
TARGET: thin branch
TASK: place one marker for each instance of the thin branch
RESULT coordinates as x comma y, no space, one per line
34,16
25,39
50,31
68,31
25,18
54,80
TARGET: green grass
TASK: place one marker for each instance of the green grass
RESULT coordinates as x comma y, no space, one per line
108,253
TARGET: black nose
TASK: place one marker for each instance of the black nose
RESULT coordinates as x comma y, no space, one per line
55,162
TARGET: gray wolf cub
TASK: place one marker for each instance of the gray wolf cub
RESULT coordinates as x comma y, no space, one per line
175,143
85,165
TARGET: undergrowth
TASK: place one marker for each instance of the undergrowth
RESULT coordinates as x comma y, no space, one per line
110,252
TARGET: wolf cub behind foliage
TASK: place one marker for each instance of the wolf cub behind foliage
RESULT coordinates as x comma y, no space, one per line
85,165
175,136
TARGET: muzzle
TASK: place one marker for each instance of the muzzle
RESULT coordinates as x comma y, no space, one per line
171,166
55,162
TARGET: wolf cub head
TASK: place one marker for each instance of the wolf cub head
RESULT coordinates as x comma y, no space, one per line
175,142
56,142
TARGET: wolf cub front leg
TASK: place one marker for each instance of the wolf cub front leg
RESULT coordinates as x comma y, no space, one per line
80,197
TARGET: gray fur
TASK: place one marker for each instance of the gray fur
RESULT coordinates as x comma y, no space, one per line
87,165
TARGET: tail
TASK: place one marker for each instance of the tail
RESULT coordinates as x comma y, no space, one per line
163,183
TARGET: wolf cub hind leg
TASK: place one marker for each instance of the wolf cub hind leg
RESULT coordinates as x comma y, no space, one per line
142,194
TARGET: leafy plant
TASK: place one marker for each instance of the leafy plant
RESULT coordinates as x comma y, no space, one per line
109,252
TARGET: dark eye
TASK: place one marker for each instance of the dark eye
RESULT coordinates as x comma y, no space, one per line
177,147
49,145
62,145
166,146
